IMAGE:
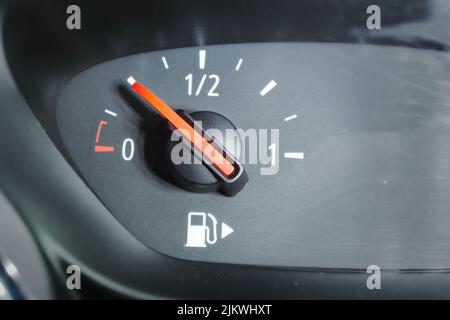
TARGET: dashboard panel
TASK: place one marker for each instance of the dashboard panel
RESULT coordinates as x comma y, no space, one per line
353,171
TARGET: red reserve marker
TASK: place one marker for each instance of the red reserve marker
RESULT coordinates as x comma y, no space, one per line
220,162
99,148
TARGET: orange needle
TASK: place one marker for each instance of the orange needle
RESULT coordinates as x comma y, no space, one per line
200,143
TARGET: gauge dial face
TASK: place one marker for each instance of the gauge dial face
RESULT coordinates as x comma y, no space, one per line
330,160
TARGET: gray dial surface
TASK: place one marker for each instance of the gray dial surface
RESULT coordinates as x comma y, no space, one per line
363,156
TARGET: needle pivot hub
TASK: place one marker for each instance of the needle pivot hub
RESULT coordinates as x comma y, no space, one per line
203,177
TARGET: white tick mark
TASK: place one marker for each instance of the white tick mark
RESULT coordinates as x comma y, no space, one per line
202,59
166,65
238,66
294,116
294,155
111,113
272,84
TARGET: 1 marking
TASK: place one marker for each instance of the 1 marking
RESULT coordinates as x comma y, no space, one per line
110,113
166,65
272,84
294,116
294,155
238,66
201,59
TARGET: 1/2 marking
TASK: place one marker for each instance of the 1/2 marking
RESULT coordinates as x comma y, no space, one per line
212,78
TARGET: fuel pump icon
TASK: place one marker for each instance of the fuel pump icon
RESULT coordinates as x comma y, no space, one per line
201,229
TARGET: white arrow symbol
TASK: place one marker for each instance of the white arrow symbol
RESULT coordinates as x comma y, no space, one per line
226,230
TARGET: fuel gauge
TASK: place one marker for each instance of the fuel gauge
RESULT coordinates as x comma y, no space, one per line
271,141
